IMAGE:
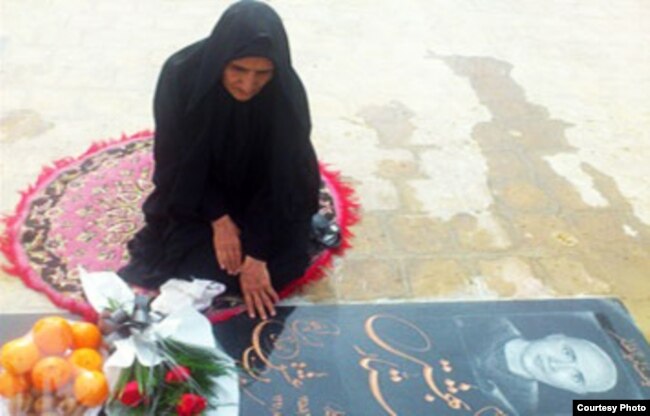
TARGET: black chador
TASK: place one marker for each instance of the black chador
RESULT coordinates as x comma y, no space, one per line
214,155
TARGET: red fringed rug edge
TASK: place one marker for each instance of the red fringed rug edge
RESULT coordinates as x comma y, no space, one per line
346,206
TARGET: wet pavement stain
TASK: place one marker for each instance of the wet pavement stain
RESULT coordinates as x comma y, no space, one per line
538,226
597,255
391,122
19,124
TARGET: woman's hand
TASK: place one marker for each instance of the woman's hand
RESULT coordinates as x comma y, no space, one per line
256,287
225,237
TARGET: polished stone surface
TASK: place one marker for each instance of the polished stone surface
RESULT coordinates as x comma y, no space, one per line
445,358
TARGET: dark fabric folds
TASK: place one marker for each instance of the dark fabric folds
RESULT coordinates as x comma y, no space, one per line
215,155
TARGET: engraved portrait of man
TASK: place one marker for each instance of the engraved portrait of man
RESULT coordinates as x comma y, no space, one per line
512,368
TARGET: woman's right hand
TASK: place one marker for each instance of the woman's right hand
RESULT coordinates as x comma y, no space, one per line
256,287
225,237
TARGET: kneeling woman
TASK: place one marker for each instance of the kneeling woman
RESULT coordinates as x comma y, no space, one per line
236,177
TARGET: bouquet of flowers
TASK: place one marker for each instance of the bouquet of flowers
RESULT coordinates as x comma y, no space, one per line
164,358
183,383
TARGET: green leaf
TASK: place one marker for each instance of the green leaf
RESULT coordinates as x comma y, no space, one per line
125,377
139,371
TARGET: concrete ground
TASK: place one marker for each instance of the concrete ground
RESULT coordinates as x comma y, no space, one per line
497,147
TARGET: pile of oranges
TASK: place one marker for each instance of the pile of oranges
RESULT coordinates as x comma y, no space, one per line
55,370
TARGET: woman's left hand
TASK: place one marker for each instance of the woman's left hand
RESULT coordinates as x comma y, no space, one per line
256,287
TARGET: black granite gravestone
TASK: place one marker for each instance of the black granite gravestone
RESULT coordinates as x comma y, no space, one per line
470,358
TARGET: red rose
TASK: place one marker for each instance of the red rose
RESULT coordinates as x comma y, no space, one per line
131,396
178,374
191,405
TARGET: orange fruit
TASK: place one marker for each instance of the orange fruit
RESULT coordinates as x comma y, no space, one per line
52,335
11,385
86,335
86,358
91,388
19,355
51,373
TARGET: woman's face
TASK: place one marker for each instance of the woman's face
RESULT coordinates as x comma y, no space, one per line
245,77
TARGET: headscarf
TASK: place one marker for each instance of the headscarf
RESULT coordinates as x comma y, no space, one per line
249,28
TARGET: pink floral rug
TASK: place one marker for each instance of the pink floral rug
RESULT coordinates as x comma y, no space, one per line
82,211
